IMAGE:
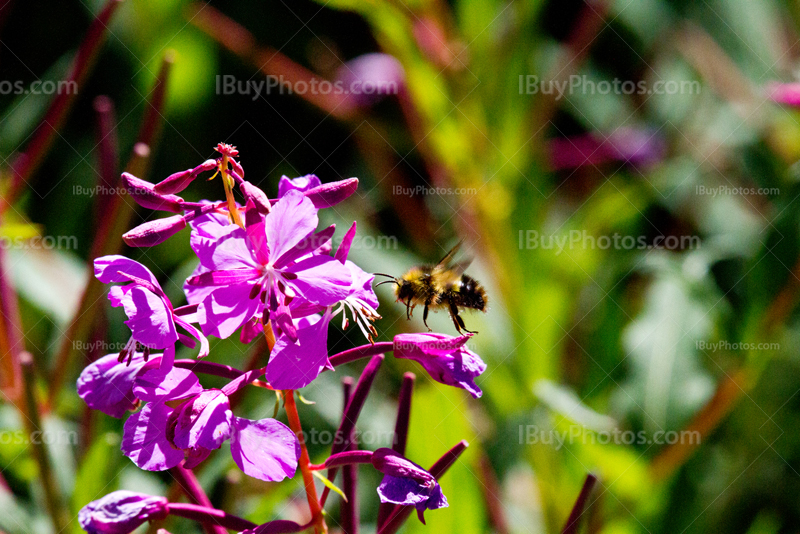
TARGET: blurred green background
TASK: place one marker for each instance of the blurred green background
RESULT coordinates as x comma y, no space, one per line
598,356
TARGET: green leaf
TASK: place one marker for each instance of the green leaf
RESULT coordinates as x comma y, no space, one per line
328,484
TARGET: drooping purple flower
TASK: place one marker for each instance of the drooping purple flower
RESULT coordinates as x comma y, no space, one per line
638,146
121,512
259,271
407,483
151,317
159,437
446,359
204,421
113,386
107,384
371,77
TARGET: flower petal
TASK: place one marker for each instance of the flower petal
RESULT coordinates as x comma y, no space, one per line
292,218
265,449
295,365
320,280
145,442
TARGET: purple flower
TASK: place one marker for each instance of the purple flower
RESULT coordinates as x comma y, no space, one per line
369,78
258,272
406,483
158,437
445,358
113,387
121,512
784,93
107,384
151,318
638,146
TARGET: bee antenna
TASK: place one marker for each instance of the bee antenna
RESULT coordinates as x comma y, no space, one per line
388,282
382,274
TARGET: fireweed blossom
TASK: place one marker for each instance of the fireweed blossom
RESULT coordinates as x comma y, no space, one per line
264,268
446,359
159,436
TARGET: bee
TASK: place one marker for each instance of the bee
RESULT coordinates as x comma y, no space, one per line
440,286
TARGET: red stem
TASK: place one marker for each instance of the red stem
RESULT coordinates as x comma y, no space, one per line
204,514
305,463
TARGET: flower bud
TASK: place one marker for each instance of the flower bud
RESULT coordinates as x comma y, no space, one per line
121,512
177,182
154,232
328,195
145,195
446,359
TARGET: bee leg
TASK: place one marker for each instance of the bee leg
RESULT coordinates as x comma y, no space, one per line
458,321
461,322
408,309
425,318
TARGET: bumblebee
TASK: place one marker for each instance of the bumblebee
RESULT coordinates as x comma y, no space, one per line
440,286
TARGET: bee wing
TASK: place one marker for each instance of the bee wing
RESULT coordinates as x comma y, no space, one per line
449,256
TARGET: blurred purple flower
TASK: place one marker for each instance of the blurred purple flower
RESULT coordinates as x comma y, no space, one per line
637,146
406,483
121,512
369,78
784,93
445,358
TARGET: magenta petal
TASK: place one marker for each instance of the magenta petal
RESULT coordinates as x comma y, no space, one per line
265,449
296,365
107,269
292,218
302,183
347,242
321,280
145,442
203,421
156,385
224,278
150,320
107,384
225,309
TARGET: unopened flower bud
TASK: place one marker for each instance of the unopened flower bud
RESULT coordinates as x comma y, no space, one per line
154,232
328,195
145,195
121,511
